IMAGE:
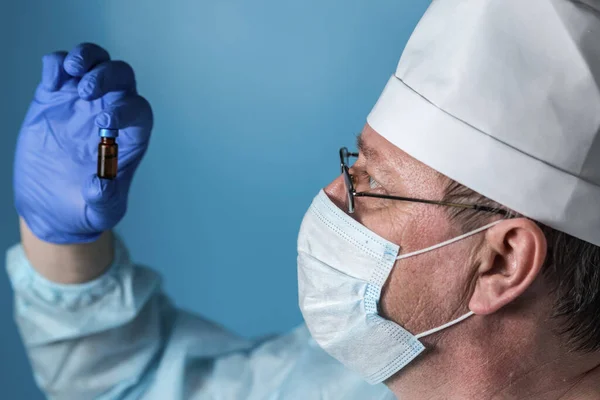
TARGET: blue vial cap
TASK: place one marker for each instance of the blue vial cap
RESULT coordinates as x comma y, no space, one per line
108,133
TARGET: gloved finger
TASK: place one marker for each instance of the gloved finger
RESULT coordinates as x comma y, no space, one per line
83,58
110,76
53,73
106,205
130,112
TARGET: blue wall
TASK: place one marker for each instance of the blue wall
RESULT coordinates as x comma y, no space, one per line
252,100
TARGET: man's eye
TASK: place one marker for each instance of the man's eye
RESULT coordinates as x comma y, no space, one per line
373,184
363,176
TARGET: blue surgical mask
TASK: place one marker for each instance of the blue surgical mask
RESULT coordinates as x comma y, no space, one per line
342,267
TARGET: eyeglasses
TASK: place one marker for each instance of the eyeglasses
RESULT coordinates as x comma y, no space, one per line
351,193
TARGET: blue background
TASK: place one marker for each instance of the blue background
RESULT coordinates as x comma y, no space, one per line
252,100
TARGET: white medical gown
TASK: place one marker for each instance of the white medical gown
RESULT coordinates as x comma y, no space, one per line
119,337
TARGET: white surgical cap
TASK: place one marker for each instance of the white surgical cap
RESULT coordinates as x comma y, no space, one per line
503,96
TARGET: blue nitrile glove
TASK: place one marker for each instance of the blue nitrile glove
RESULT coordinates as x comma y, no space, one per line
57,191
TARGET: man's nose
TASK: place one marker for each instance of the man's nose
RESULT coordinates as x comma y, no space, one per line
336,191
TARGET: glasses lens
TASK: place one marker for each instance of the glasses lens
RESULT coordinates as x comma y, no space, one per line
349,189
344,162
344,158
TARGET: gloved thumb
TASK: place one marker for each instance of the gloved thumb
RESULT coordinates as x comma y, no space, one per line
106,203
53,72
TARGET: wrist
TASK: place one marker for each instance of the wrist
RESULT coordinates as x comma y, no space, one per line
68,263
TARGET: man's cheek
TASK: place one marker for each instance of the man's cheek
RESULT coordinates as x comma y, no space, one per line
400,295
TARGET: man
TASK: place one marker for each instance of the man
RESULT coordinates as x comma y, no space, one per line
419,286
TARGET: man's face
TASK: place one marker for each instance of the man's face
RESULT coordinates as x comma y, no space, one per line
424,291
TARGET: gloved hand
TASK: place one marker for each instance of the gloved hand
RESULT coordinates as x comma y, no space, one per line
56,189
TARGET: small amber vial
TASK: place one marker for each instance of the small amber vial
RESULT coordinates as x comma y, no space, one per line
108,151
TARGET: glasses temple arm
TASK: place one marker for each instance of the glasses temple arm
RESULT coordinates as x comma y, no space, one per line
441,203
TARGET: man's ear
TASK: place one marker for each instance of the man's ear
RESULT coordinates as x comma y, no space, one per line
512,257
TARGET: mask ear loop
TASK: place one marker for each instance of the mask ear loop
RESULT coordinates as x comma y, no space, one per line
437,246
448,325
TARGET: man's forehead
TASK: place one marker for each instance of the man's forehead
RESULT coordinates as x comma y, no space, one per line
375,147
378,150
397,168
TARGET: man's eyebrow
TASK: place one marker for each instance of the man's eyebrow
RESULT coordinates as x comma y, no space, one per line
368,152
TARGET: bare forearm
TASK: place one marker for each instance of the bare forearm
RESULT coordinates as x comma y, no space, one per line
68,263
